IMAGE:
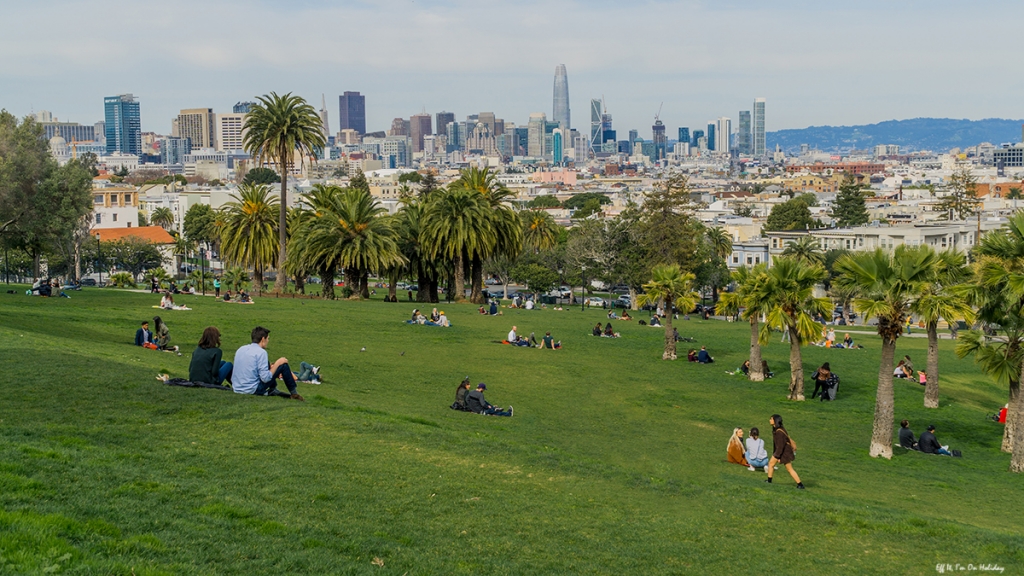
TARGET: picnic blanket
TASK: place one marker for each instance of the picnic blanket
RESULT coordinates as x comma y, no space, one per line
189,384
175,308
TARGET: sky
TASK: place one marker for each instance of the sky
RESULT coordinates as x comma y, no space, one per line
816,62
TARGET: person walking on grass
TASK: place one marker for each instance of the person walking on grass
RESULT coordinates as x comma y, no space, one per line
253,373
784,450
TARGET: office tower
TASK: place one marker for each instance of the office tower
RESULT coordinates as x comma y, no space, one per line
323,118
242,107
173,150
100,132
487,118
123,124
536,140
347,136
352,112
499,127
69,131
396,151
229,132
743,137
399,127
596,126
561,98
419,126
558,140
758,145
697,135
454,142
660,140
197,124
710,135
723,130
633,135
684,135
442,120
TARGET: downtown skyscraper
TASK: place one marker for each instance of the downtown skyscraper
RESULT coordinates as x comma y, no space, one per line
758,148
123,124
561,97
352,108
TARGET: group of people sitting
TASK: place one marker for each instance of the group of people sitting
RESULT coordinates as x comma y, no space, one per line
240,297
251,372
905,369
167,303
702,356
436,318
606,332
545,343
157,339
521,303
625,315
47,288
828,340
753,455
927,443
474,401
826,381
491,310
745,369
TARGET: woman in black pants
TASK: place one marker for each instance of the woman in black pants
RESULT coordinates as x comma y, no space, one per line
820,379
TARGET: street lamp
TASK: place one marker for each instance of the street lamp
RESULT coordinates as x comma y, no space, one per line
583,288
202,266
99,256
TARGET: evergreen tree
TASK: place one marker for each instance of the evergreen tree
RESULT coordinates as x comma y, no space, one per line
359,182
790,215
961,198
849,209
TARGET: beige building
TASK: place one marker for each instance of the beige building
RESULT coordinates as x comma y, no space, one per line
115,207
229,132
197,124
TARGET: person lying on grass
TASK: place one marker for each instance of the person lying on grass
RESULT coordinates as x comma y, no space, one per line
626,316
253,374
207,365
478,405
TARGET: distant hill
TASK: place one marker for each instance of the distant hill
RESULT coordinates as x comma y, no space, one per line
935,134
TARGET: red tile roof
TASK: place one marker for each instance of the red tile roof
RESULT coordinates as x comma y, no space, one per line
154,234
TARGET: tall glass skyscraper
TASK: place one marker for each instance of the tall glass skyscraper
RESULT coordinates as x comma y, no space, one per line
561,98
743,136
712,141
123,124
758,148
684,135
352,108
596,124
660,140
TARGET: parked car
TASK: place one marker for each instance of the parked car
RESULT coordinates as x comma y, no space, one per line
88,282
619,289
623,301
491,282
596,301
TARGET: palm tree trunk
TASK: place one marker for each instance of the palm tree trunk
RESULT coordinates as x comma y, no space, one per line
460,279
931,389
1016,412
756,375
1013,418
796,367
352,281
423,281
670,339
632,300
257,281
364,284
300,284
327,279
282,229
432,285
476,280
881,432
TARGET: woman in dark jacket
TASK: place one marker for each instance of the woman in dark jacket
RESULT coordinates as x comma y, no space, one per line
784,450
207,364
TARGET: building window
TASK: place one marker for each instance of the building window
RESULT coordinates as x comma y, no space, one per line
847,244
115,217
750,260
775,242
860,242
98,199
757,259
129,224
99,218
735,259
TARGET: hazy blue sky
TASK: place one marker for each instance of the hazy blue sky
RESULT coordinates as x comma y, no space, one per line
816,62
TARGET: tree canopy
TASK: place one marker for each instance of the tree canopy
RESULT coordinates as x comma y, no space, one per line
790,215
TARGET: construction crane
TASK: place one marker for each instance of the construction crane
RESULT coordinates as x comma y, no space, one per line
658,115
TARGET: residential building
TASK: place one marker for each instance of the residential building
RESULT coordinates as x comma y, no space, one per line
123,124
882,150
156,235
352,112
230,136
744,136
757,129
851,167
1009,156
420,126
115,207
396,151
748,253
173,150
347,136
560,112
197,124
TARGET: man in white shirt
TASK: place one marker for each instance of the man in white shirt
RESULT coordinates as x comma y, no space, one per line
529,304
253,373
512,337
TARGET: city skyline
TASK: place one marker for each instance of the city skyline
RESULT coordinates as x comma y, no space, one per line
774,52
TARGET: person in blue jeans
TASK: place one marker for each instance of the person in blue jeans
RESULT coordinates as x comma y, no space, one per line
756,455
929,444
206,365
308,373
253,374
477,404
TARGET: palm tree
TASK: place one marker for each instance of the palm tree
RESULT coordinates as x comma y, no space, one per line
300,259
234,277
789,304
750,297
276,129
457,224
805,249
942,299
508,229
181,249
888,286
673,287
350,232
721,248
162,217
408,225
539,229
248,237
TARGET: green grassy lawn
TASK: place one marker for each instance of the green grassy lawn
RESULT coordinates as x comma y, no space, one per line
613,464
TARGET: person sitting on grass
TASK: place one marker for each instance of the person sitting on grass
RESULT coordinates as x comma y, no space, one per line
482,310
847,341
494,308
253,374
901,370
167,302
529,305
764,370
691,356
434,316
478,405
548,343
609,332
206,365
929,444
612,316
756,455
703,357
625,315
907,436
143,336
442,320
734,451
513,336
227,296
162,336
244,297
597,330
654,321
460,396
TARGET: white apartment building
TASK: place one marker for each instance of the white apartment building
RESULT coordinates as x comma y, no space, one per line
115,207
229,132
